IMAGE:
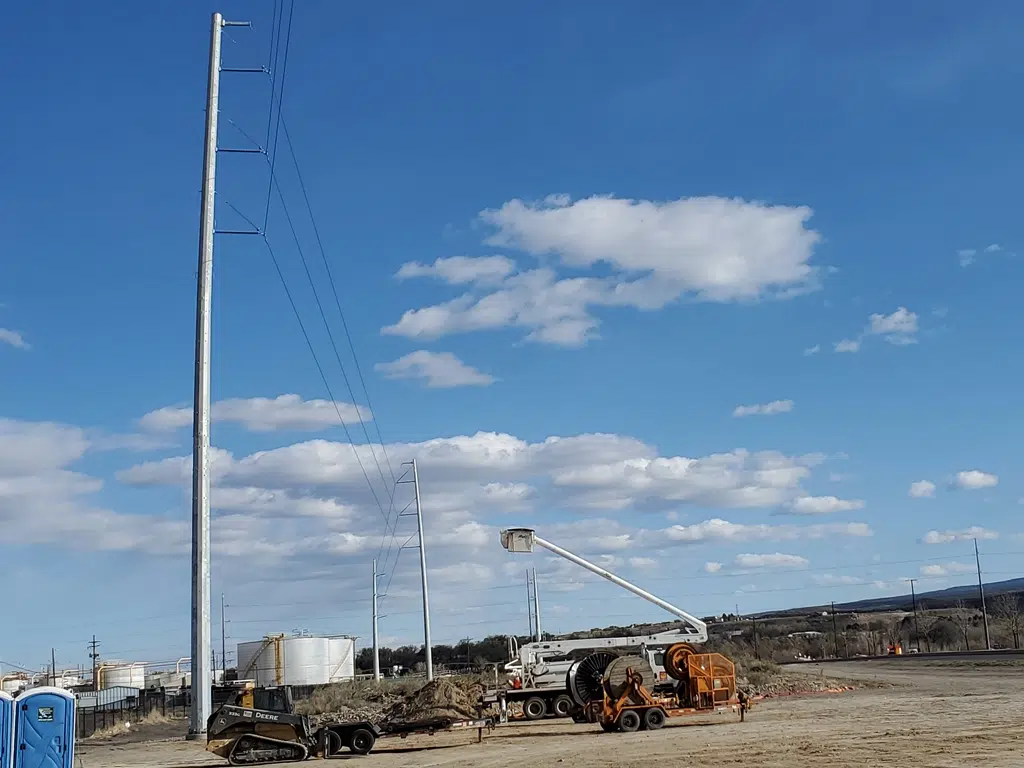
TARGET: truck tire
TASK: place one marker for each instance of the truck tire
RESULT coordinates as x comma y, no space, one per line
629,721
654,718
362,741
534,708
562,706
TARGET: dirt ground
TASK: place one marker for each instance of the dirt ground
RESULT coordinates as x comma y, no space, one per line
936,714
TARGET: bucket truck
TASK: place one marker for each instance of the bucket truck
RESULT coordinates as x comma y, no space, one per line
538,671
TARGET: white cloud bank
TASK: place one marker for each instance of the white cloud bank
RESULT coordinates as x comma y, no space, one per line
773,408
975,479
948,537
707,248
438,370
13,338
262,414
922,489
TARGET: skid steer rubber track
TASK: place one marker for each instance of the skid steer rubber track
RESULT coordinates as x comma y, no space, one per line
251,749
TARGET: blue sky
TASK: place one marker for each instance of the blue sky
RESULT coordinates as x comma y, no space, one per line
625,220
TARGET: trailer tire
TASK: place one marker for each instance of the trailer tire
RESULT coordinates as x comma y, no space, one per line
654,718
562,706
534,708
629,721
362,741
332,744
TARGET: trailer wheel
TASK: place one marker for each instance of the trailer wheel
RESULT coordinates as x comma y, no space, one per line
629,721
362,741
562,706
535,708
332,744
654,718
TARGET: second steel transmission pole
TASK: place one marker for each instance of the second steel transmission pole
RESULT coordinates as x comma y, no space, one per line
423,574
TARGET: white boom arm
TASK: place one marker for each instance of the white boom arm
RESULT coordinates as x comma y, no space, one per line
531,652
524,539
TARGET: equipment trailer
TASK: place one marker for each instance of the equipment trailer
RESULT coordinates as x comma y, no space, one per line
247,736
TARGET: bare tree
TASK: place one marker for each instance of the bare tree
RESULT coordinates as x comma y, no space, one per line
1006,609
962,616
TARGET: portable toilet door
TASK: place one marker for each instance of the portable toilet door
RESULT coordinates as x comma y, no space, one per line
44,728
6,730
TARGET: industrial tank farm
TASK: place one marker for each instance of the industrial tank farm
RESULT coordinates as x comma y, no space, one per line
302,660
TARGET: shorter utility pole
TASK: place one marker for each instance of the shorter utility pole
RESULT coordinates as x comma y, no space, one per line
529,602
223,645
428,656
95,656
835,631
913,602
753,621
53,666
981,593
536,608
376,646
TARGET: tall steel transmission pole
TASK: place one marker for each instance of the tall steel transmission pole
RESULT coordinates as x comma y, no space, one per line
201,647
201,673
423,574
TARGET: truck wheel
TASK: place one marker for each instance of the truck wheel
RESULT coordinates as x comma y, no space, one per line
562,706
535,708
654,718
629,721
362,741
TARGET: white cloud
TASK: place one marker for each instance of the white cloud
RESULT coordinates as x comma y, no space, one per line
713,249
946,569
764,409
899,328
13,338
901,321
723,530
43,500
775,560
922,489
261,414
968,256
822,505
834,579
439,370
812,350
645,563
948,537
459,270
712,567
974,479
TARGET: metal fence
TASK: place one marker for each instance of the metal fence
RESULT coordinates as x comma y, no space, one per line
131,706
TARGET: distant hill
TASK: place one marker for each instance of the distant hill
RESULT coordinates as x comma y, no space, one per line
940,598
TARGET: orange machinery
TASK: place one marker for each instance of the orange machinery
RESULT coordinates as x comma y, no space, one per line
703,683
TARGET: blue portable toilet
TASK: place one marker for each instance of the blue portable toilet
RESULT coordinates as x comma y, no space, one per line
6,730
44,728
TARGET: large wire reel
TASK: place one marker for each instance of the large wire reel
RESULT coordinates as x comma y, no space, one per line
616,674
677,659
585,678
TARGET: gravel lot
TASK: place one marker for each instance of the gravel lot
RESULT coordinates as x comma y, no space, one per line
936,714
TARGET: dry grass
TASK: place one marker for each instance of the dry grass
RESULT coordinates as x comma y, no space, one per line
127,723
367,698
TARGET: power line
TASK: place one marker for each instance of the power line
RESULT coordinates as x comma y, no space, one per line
337,301
327,325
323,376
280,102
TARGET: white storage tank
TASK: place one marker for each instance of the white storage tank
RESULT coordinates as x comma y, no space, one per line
123,673
282,660
13,683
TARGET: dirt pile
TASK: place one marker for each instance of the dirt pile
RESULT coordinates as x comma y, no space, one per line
443,698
